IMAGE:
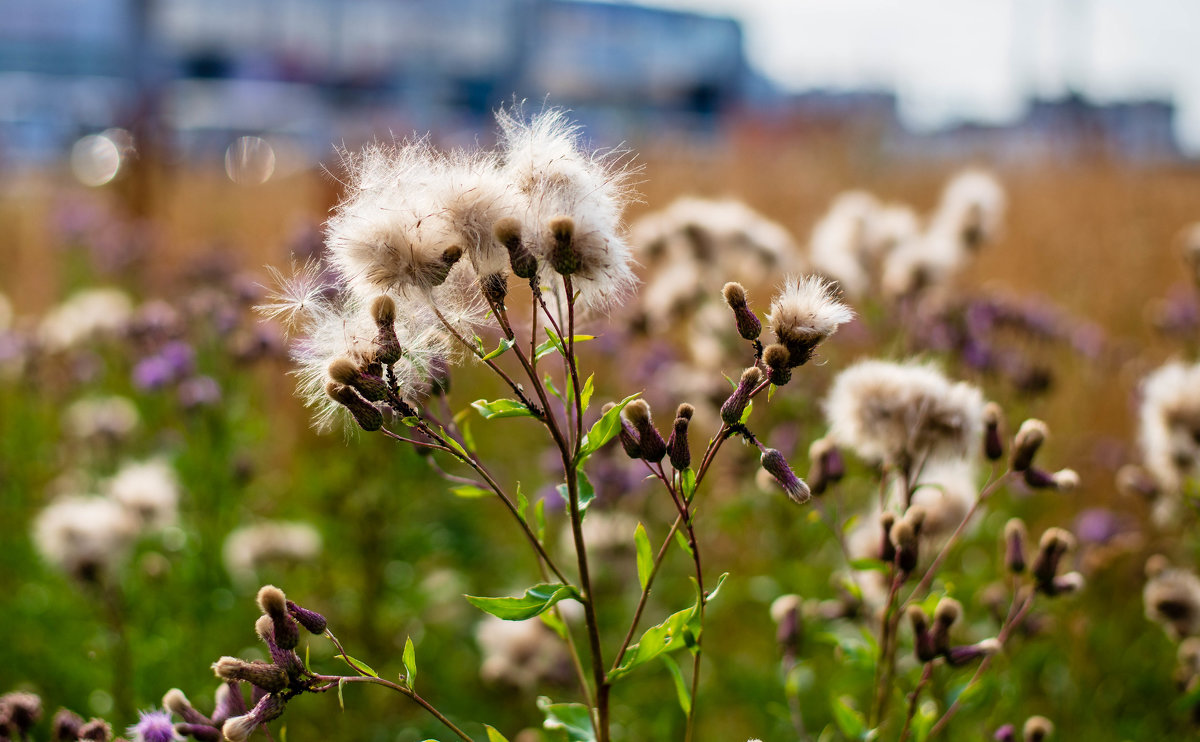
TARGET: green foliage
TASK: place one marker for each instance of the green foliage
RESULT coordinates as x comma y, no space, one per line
535,601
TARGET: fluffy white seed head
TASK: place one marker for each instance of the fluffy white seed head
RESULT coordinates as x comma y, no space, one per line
85,536
805,312
149,490
896,412
251,548
545,158
1169,424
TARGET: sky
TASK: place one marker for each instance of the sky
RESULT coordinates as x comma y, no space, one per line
978,60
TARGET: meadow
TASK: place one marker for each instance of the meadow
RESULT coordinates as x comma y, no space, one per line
1088,257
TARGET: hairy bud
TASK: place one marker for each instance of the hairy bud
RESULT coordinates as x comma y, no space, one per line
522,261
265,675
731,411
1027,442
1015,537
777,466
653,447
922,641
748,324
778,362
1055,543
993,436
371,387
273,603
367,415
563,257
677,444
1037,729
312,621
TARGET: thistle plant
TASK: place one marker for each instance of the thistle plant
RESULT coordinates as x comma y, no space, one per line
424,250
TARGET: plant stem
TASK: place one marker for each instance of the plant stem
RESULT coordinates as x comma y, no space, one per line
914,698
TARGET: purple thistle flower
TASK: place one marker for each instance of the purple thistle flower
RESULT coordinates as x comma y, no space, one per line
153,726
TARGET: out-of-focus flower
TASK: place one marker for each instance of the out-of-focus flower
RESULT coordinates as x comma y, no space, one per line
1169,425
896,413
522,654
250,548
85,536
101,417
149,490
153,726
84,316
1172,598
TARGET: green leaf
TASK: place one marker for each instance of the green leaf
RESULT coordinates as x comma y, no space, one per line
468,438
770,391
587,493
493,735
341,701
539,519
555,344
668,636
645,558
682,692
683,543
604,429
522,502
687,483
868,564
849,719
470,491
589,387
536,600
501,408
409,658
746,413
551,619
712,594
360,667
573,718
549,382
454,444
500,350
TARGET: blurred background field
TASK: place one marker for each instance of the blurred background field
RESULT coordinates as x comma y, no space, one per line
1091,236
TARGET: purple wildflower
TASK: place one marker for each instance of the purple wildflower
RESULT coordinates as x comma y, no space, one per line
153,726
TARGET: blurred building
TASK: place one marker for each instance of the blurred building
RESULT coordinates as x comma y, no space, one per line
306,73
325,70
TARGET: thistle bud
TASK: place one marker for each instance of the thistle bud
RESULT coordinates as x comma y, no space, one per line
441,269
777,466
270,678
993,440
508,234
959,656
177,703
627,435
789,627
66,726
677,444
653,447
904,540
1055,543
1037,729
1015,537
371,387
228,702
945,616
96,730
563,257
731,411
1063,480
494,287
273,603
239,728
1006,733
922,641
778,362
387,344
1135,481
1071,582
748,324
887,550
20,710
200,732
827,465
312,621
367,415
1026,443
